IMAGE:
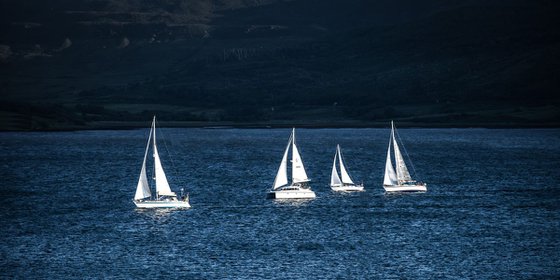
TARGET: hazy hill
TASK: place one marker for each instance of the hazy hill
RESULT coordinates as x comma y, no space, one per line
83,64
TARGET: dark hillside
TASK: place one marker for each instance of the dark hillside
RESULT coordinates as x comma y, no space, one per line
87,64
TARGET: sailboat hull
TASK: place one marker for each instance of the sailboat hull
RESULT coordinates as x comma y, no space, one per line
165,198
162,204
291,193
348,188
405,188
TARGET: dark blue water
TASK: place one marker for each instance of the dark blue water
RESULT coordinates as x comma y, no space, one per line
491,210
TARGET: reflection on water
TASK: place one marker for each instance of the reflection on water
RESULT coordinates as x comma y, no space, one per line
291,202
158,213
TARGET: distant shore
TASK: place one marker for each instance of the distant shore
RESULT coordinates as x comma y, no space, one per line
127,125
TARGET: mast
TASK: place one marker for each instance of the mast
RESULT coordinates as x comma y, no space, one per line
154,154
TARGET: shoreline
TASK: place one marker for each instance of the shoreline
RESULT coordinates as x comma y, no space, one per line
130,125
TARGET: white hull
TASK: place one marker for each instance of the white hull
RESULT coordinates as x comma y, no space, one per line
405,188
348,188
291,193
162,204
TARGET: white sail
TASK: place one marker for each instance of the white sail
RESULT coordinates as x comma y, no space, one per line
162,186
343,173
282,174
298,171
402,171
335,180
143,187
390,176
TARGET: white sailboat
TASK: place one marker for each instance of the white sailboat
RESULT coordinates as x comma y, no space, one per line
346,183
164,197
399,181
299,188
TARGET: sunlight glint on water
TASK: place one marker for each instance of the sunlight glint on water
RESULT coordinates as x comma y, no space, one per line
491,210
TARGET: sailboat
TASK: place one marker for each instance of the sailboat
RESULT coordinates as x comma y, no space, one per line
299,188
346,184
164,197
399,181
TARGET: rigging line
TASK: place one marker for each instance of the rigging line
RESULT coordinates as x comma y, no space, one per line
406,153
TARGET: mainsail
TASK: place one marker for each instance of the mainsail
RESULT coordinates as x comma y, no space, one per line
298,171
390,176
345,177
402,171
162,186
335,180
